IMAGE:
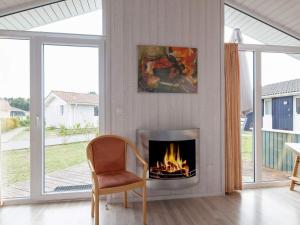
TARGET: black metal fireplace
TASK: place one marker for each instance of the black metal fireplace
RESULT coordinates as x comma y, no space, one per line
173,157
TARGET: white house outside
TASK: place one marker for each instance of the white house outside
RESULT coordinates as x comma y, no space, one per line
70,109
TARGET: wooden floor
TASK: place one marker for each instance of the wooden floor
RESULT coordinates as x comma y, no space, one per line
273,206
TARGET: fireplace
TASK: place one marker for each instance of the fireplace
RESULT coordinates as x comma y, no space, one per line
172,156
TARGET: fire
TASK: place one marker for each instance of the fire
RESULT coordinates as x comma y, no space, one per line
172,162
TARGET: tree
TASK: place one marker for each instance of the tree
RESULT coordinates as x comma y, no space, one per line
20,103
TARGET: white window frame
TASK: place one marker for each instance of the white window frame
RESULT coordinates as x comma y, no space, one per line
37,41
257,51
297,97
61,109
269,101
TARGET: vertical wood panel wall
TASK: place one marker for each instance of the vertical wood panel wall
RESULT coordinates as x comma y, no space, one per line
191,23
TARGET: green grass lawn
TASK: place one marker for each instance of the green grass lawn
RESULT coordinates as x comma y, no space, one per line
57,157
247,146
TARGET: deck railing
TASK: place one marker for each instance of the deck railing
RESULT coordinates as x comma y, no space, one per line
276,155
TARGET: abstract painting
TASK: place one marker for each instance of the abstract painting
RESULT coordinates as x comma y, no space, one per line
167,69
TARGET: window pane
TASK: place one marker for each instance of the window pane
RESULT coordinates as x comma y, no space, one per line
71,96
247,116
14,118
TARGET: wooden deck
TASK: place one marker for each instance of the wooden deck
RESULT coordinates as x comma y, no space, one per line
267,173
78,175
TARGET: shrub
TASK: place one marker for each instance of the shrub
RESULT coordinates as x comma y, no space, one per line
89,125
25,122
9,123
77,126
51,128
62,130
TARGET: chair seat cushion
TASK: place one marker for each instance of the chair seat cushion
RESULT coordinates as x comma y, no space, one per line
116,179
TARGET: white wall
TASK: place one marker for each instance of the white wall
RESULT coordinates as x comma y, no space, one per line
53,115
192,23
73,114
84,115
4,114
267,122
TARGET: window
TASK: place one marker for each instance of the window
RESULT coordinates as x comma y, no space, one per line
96,111
61,110
268,107
298,105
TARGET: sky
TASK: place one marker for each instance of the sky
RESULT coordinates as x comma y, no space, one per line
66,68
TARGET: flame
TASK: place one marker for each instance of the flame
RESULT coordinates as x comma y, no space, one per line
173,162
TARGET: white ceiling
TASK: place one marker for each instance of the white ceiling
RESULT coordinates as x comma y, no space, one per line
38,16
280,14
283,13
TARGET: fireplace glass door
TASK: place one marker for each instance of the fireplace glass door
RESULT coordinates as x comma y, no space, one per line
172,159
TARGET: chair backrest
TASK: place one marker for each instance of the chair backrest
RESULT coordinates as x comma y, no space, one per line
108,154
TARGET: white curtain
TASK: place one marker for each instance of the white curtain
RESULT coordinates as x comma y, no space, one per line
245,78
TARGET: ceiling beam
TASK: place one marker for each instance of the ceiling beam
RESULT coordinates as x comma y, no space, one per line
252,13
26,6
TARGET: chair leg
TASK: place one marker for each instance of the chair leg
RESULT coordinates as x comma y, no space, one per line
145,205
93,206
97,206
125,199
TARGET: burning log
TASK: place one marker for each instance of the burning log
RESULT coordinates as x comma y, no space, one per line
172,164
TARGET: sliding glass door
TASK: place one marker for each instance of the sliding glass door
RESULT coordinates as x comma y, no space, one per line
267,142
51,106
280,85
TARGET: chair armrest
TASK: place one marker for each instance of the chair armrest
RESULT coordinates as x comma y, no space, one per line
139,157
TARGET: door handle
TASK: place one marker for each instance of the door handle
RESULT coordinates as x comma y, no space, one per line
37,120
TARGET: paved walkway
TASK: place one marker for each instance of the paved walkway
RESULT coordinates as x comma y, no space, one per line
7,136
23,144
